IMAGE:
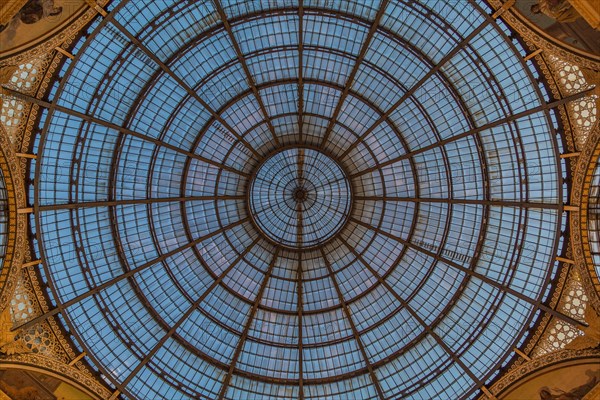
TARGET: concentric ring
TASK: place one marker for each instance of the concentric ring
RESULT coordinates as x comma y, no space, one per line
300,198
168,198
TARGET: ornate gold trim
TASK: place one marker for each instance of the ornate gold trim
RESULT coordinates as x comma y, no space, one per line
17,230
55,359
57,369
538,364
535,38
578,221
49,44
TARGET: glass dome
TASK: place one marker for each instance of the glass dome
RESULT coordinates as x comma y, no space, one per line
283,200
299,198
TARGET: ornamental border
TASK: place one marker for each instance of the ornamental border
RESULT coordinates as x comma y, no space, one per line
538,364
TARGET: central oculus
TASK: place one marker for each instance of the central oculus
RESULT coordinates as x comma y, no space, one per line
299,198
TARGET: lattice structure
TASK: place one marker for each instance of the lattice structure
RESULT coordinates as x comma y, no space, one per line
584,112
24,79
181,276
594,219
560,333
22,304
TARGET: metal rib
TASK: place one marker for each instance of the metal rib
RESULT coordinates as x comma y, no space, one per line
128,274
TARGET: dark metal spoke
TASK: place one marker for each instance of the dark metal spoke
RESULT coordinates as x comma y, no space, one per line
461,45
63,306
118,128
184,85
244,64
300,316
299,211
474,131
350,80
301,71
187,314
253,310
359,342
499,203
504,288
415,315
125,202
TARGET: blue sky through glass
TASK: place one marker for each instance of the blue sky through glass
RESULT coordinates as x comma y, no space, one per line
432,115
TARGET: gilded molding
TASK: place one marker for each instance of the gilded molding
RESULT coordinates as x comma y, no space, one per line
79,378
537,39
57,40
47,68
537,364
578,222
51,351
17,231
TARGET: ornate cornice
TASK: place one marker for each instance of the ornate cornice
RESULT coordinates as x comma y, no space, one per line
530,367
54,41
588,159
71,374
536,38
50,349
17,225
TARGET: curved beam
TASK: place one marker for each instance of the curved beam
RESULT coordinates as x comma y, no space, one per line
63,306
187,314
244,64
240,345
474,131
416,316
350,80
167,70
463,43
359,342
481,277
118,128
